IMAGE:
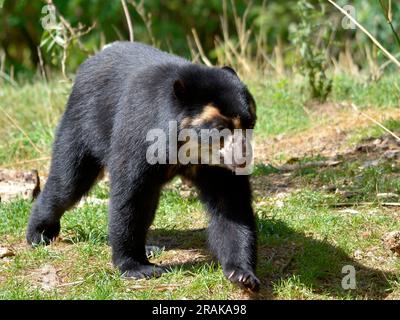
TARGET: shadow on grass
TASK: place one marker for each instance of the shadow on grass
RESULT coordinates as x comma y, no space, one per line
287,259
316,265
299,261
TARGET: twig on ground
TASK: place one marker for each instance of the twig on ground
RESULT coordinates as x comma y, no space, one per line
375,121
353,204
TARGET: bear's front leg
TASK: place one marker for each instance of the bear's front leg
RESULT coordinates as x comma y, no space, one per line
232,229
133,204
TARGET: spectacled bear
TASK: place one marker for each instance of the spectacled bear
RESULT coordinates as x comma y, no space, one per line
118,95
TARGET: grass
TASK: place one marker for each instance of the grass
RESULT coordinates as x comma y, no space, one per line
383,93
373,132
305,239
278,107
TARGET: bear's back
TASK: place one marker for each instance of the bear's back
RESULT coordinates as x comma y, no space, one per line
105,78
122,58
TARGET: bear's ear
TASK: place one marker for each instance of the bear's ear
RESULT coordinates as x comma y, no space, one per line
231,70
179,89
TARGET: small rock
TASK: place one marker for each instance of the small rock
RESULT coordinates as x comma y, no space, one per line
358,254
49,277
391,241
377,142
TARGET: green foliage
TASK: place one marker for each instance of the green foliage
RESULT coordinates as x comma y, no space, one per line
279,106
370,15
310,36
373,132
264,170
387,10
172,23
382,93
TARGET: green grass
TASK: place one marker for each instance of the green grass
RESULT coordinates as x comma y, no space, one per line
374,131
262,169
279,107
383,93
34,110
304,238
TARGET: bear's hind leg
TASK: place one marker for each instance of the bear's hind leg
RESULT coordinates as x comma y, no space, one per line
73,172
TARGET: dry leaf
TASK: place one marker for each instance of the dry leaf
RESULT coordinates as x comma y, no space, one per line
6,252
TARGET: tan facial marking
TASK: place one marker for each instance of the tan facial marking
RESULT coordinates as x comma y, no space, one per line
209,113
186,122
237,123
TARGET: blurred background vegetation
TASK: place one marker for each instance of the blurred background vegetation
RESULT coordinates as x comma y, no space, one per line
263,35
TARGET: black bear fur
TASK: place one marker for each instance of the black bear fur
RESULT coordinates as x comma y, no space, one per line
118,95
